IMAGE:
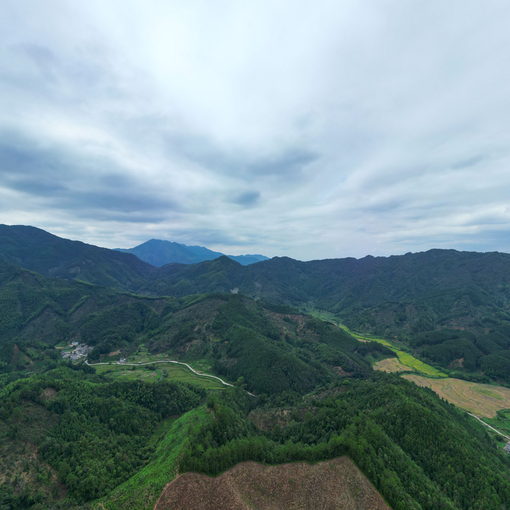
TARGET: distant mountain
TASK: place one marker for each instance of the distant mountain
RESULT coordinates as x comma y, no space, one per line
159,253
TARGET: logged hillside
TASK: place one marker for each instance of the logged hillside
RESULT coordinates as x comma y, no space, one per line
332,485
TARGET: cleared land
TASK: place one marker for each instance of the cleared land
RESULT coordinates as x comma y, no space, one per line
332,485
480,399
391,365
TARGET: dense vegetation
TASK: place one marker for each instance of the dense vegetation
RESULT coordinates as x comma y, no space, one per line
71,438
451,306
241,338
97,438
93,433
407,442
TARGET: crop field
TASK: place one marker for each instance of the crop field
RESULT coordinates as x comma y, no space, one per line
159,372
417,365
405,358
391,365
480,399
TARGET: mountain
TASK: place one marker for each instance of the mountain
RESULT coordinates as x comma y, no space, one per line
76,436
298,351
158,253
450,307
49,255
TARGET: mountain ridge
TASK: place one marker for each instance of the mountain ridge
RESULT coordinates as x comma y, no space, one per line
450,307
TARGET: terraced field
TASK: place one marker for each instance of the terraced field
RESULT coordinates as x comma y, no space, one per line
405,358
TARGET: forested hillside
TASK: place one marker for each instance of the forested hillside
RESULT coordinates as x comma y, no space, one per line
69,437
53,256
451,307
303,388
239,337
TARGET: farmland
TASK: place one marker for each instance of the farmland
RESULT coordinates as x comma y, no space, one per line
481,399
405,358
391,365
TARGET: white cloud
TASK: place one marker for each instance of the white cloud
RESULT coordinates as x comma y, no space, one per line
290,128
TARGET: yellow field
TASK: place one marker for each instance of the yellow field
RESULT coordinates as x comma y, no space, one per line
391,365
480,399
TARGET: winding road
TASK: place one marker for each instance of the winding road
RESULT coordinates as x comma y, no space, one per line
490,426
175,362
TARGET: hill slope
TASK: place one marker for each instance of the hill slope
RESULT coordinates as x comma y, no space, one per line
273,349
53,256
451,307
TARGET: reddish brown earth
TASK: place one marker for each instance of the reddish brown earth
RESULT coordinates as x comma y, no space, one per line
331,485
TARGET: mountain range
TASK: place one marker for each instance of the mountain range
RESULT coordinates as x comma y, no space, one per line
107,433
450,307
159,253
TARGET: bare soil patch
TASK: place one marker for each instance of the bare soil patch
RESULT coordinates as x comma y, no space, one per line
480,399
331,485
48,393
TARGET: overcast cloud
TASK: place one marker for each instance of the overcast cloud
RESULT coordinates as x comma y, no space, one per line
308,129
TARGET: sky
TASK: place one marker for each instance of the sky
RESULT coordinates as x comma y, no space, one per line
309,129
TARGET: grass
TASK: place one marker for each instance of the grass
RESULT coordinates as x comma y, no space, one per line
404,357
143,489
159,372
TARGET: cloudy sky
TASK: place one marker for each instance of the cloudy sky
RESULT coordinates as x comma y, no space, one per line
311,129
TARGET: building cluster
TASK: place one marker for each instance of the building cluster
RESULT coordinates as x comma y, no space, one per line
78,351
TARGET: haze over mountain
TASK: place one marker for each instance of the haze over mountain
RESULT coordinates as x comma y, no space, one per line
158,253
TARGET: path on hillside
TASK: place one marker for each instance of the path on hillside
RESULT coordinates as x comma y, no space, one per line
490,426
140,363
